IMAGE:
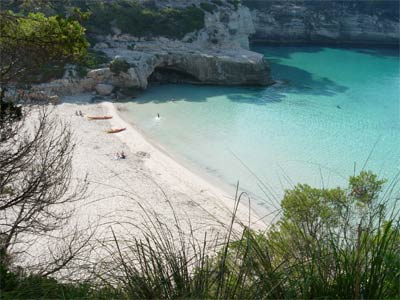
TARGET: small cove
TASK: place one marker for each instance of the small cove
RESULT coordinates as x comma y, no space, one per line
334,110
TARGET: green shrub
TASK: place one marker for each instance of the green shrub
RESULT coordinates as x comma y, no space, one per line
94,59
119,65
15,286
32,286
329,244
208,7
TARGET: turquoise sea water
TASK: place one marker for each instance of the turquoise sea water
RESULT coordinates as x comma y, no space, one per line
335,110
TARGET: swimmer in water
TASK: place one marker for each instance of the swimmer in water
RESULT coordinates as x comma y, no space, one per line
338,106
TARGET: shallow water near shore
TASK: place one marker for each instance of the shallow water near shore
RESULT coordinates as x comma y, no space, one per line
333,111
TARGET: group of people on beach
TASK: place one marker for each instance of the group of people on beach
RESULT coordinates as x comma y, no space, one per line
78,113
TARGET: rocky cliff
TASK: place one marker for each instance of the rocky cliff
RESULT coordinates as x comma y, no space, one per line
180,63
207,41
226,23
353,22
216,53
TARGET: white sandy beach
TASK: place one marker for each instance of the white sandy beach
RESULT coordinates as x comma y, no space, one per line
120,191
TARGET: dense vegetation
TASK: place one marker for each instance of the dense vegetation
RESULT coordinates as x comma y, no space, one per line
118,66
141,21
340,243
30,44
93,59
130,16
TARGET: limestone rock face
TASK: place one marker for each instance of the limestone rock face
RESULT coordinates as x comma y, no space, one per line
104,89
99,75
217,54
220,67
227,28
355,22
227,68
193,65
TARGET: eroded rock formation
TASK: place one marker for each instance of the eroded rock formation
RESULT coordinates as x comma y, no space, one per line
217,54
213,66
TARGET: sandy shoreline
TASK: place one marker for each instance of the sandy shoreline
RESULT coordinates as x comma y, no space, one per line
148,180
214,181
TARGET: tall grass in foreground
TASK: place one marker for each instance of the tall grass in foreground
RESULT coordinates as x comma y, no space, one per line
329,243
341,243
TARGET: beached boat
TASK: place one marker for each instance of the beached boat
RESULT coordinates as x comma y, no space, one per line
115,130
99,117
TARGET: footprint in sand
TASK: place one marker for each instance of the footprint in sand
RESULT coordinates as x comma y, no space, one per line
143,154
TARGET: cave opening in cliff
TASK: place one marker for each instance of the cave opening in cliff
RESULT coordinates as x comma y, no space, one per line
168,74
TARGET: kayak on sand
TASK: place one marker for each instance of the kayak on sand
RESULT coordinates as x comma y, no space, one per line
115,130
99,117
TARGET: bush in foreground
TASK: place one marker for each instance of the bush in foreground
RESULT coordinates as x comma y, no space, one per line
329,243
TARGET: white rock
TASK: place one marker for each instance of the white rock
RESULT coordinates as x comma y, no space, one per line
99,74
54,99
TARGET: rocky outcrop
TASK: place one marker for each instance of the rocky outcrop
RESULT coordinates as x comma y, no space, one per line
226,24
195,65
226,27
355,22
217,54
104,89
180,63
